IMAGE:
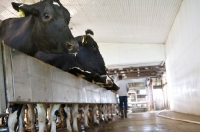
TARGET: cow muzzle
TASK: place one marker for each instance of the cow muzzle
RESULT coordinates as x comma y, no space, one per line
72,47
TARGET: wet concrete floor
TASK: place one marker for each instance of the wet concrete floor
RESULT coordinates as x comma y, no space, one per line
146,122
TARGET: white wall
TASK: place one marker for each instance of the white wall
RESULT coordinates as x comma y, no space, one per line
126,53
182,59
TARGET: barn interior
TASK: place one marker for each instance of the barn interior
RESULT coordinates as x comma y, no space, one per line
152,43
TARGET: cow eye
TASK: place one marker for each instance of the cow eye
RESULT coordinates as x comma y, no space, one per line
46,16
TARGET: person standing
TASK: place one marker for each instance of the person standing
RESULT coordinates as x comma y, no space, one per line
122,92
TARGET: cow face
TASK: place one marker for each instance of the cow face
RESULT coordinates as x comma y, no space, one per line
89,55
51,33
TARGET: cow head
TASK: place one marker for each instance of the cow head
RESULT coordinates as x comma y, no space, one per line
89,56
51,32
92,66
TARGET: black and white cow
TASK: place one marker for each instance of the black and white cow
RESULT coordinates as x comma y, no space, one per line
45,28
87,64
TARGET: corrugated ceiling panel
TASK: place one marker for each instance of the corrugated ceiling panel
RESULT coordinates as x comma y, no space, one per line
116,21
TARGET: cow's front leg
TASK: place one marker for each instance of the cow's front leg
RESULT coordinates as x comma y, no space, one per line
109,109
94,114
41,109
31,116
104,112
74,116
54,112
100,109
21,120
67,111
112,109
86,116
13,119
61,123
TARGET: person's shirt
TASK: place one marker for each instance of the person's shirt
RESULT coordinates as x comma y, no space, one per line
123,88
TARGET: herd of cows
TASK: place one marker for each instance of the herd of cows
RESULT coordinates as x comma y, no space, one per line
44,34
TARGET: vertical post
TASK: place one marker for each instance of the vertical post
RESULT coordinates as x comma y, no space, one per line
2,85
150,87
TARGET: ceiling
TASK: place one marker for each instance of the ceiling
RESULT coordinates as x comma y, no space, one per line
118,21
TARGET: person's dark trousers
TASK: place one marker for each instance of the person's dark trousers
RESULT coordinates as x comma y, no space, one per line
123,102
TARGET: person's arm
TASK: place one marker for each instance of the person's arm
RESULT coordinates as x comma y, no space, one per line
127,88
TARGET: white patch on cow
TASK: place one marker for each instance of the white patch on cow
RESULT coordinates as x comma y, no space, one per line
88,72
80,69
41,109
55,3
74,117
76,68
53,118
67,110
12,120
73,53
21,5
86,115
104,112
94,113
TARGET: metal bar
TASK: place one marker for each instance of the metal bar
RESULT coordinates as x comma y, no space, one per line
2,86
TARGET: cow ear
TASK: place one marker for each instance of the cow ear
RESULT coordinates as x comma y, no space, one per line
84,40
27,9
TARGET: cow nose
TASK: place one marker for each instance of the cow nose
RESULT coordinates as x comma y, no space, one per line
72,47
69,46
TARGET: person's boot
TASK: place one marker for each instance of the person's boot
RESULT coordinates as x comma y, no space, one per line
122,113
125,113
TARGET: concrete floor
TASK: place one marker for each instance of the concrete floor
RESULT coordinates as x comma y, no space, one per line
147,122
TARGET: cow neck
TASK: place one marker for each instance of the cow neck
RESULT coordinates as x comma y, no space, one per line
27,25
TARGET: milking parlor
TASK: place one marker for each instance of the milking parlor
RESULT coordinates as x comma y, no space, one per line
99,66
